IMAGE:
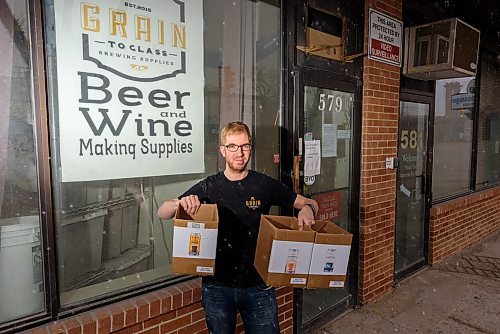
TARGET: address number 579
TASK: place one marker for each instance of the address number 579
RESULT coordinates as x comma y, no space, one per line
333,102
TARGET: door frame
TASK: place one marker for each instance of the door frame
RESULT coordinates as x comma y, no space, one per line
300,69
323,79
425,98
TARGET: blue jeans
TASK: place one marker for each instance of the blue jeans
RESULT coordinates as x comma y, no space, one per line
257,306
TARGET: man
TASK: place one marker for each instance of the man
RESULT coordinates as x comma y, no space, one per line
241,195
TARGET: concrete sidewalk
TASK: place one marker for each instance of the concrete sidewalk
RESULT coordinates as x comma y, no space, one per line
460,295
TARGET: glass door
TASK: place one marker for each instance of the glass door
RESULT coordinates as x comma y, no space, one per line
326,154
410,243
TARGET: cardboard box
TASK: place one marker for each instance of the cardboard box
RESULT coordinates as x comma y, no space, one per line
283,253
324,45
195,241
330,256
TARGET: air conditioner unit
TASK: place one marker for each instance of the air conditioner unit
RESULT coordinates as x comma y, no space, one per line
441,50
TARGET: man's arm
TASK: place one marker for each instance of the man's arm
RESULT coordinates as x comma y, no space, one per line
190,203
306,213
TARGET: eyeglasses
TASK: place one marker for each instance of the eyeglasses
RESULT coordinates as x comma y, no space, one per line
234,147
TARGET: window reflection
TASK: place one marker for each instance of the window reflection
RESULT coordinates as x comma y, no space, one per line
454,109
108,235
488,150
21,264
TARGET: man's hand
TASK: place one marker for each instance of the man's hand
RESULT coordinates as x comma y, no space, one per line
305,216
306,213
190,203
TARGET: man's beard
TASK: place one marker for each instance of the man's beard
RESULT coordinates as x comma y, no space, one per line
239,168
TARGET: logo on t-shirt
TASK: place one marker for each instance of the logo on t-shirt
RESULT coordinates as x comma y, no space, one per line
252,203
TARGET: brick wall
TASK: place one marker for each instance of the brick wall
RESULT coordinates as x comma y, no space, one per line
459,223
378,185
175,309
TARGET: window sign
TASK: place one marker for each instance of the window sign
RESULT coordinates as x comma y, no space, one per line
385,38
130,88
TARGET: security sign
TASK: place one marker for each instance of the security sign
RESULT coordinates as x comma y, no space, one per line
385,38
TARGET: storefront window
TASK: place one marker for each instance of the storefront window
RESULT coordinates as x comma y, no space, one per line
454,109
488,150
168,91
21,264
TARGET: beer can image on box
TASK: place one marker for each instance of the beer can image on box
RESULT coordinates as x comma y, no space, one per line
194,244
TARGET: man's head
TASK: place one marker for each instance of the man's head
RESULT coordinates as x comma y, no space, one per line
234,128
236,145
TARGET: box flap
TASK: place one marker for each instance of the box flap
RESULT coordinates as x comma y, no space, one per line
264,245
330,233
319,224
287,228
207,214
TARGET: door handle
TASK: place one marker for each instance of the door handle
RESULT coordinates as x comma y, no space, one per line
296,174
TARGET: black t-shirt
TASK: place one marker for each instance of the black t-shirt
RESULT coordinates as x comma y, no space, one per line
240,205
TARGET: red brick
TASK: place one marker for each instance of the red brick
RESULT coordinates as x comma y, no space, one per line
57,327
142,309
103,321
197,315
189,309
131,329
117,317
176,323
73,326
89,324
160,319
154,330
176,299
166,301
130,313
154,305
41,330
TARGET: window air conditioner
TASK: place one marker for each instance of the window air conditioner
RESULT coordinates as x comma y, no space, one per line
441,50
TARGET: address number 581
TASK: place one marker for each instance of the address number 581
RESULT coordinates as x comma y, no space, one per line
409,139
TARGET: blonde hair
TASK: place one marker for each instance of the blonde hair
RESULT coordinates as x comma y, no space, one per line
234,128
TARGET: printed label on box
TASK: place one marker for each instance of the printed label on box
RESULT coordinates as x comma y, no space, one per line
329,259
298,280
336,284
194,242
290,257
200,269
196,225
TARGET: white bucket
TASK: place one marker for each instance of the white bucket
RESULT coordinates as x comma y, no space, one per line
21,268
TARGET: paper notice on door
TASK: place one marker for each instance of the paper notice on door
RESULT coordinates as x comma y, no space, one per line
312,154
344,134
329,147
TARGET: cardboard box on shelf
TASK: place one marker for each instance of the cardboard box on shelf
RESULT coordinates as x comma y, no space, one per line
283,253
195,241
330,256
324,45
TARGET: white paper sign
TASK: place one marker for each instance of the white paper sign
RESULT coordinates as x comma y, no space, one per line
203,240
344,134
312,155
329,147
130,88
291,257
329,259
